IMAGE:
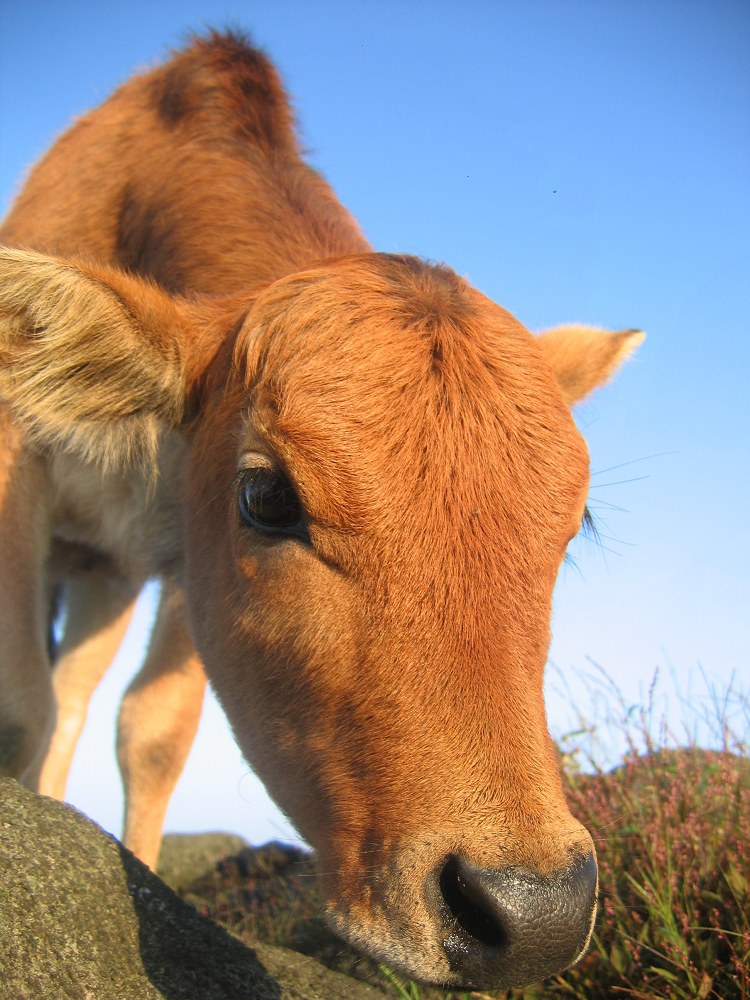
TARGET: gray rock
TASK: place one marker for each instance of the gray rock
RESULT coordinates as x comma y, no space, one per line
81,918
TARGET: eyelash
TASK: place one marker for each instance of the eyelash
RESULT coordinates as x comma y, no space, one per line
587,530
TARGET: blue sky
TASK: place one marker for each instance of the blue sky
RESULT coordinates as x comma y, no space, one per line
576,161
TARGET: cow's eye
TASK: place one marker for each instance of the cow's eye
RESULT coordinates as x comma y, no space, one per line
267,500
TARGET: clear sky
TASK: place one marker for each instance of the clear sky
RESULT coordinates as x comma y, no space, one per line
576,160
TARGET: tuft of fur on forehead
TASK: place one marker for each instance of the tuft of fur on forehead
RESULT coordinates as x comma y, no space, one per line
373,327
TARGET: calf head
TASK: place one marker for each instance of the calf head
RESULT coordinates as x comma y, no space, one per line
382,477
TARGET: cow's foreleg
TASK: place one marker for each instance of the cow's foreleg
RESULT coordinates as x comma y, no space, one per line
98,608
27,704
158,719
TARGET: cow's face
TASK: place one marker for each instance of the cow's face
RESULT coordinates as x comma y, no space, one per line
378,512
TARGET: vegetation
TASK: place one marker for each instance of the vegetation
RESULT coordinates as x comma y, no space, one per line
670,825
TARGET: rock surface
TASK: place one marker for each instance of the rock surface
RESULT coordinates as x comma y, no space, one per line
81,918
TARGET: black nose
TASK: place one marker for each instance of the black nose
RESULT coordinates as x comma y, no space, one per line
509,928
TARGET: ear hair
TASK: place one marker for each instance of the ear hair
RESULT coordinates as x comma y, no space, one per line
87,359
586,357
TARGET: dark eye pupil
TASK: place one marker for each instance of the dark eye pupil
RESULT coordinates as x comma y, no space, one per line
267,500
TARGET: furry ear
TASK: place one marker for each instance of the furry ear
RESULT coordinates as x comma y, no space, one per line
90,357
585,357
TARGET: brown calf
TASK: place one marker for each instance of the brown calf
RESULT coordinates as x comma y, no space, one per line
356,477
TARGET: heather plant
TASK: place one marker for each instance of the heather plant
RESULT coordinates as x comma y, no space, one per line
674,875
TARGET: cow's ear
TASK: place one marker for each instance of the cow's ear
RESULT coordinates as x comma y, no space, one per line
91,358
585,357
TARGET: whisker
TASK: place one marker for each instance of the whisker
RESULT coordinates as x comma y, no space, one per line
608,548
633,461
600,503
620,541
619,482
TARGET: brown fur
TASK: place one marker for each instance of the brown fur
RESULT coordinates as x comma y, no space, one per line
197,302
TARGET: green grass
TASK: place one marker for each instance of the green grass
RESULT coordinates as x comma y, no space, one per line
671,828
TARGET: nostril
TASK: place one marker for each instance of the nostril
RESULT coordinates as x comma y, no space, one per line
511,926
470,911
